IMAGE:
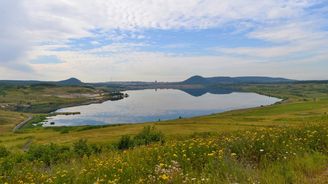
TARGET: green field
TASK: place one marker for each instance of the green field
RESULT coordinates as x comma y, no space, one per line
297,125
46,98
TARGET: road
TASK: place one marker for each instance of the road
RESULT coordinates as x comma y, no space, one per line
21,124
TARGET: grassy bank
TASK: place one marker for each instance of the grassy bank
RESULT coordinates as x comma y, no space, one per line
18,102
274,155
48,98
281,143
310,107
9,119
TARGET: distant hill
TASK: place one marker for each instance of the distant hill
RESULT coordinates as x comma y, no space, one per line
68,82
141,85
234,80
71,81
201,91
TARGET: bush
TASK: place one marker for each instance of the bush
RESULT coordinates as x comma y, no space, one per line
3,152
149,135
96,149
125,142
49,154
81,148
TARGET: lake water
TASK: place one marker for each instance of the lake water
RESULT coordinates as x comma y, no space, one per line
154,105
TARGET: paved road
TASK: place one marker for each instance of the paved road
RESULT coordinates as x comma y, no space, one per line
21,124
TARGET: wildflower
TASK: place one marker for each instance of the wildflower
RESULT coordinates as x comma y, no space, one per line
261,150
164,177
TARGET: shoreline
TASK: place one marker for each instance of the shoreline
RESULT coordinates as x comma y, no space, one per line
154,122
54,113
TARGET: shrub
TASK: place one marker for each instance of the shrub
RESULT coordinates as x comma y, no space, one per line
81,148
3,152
49,154
96,149
149,135
125,142
64,131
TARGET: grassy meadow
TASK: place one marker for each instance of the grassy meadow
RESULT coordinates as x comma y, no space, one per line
43,98
282,143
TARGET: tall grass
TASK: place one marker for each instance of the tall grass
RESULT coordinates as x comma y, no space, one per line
271,155
147,136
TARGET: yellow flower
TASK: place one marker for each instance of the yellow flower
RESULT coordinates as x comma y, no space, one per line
210,154
164,177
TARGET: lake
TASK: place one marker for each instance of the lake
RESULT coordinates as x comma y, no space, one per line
159,105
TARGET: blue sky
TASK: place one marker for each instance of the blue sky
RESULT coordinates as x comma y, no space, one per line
164,40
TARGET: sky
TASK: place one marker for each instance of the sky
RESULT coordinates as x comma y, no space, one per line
163,40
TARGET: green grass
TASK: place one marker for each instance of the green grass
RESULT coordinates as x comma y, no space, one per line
35,121
312,107
304,110
274,155
43,99
38,99
9,119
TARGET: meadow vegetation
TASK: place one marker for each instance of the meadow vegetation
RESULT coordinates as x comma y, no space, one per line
282,143
44,98
267,155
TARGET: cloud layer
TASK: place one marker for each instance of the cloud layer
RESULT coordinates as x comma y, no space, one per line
101,40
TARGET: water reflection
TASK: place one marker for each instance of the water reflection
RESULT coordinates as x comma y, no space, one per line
196,92
161,104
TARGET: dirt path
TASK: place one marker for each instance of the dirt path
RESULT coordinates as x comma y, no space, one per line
26,146
322,178
21,124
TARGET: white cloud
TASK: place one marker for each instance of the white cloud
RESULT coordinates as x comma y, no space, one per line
291,32
74,16
280,52
13,44
26,24
290,42
62,19
150,66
